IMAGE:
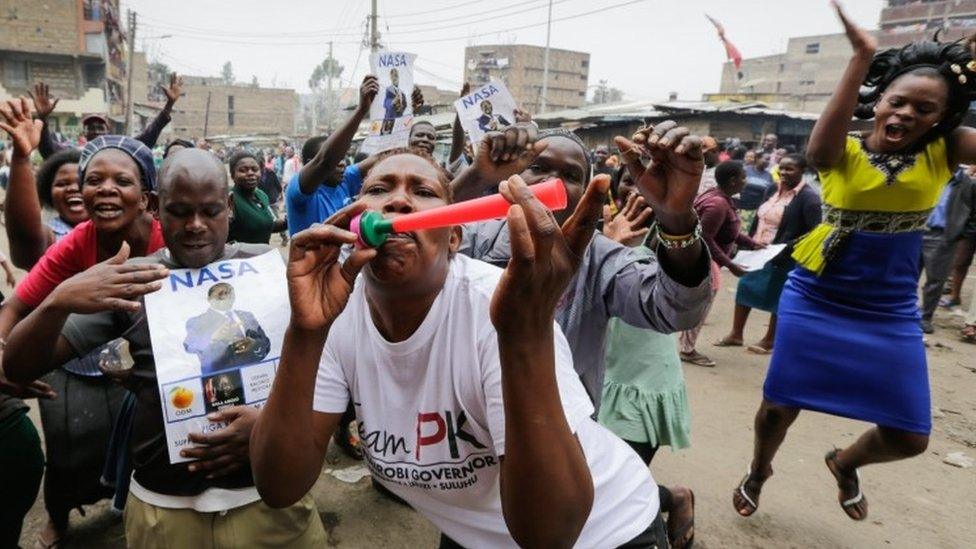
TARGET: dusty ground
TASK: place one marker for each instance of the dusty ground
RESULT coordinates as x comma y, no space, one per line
917,503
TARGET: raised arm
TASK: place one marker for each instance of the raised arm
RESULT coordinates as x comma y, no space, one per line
335,147
289,440
150,134
35,346
457,132
829,135
45,104
546,486
26,232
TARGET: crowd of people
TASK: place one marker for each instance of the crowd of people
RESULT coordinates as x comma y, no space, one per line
546,348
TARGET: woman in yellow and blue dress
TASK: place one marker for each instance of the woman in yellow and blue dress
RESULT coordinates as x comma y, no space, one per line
849,342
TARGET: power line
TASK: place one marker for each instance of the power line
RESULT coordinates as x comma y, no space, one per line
529,26
446,8
476,16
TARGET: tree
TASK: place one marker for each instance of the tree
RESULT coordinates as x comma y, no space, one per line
328,69
227,73
254,80
606,94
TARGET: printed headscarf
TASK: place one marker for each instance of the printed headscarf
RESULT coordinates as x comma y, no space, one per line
136,150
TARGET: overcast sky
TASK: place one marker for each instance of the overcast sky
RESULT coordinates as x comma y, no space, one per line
646,48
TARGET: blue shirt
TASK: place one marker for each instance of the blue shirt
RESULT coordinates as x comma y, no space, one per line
750,198
307,209
937,219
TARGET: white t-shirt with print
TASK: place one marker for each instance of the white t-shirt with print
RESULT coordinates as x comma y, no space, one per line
432,421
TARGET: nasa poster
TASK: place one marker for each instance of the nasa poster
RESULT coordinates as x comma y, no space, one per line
487,109
216,333
391,112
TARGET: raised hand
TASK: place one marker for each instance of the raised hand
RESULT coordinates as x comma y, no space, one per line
629,227
110,285
318,285
43,101
669,182
225,450
502,154
545,256
174,90
15,119
367,91
862,41
416,99
522,116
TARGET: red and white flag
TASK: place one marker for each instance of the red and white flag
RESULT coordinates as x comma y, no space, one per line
731,52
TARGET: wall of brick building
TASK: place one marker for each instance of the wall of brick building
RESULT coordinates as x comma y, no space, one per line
48,26
255,110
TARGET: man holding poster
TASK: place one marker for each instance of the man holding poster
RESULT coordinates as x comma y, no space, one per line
174,504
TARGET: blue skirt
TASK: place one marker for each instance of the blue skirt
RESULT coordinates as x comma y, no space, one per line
849,342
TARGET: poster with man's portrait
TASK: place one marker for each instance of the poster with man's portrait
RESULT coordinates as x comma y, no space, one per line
486,109
391,112
216,334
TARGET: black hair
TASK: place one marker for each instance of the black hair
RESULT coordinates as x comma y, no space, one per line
422,123
799,159
179,162
186,144
738,152
50,167
219,286
236,158
725,171
952,62
311,147
560,132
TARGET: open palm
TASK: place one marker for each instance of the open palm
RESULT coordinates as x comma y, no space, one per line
15,119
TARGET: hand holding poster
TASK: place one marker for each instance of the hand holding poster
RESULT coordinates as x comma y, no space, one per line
391,111
489,108
216,333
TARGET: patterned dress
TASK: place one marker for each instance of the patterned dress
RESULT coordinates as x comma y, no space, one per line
849,342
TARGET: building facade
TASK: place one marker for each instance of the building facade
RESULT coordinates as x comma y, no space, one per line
75,46
521,68
803,77
212,107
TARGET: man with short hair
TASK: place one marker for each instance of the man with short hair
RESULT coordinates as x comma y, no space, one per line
210,501
325,184
600,156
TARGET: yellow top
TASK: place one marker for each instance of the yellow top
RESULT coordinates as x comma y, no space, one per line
871,183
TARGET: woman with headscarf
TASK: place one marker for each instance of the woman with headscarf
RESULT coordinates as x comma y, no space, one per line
117,178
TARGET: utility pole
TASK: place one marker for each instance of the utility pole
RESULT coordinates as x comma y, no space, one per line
545,63
374,35
206,117
328,91
128,68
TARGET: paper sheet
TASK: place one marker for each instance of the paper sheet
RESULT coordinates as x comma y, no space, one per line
754,260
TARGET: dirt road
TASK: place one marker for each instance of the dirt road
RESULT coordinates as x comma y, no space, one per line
917,503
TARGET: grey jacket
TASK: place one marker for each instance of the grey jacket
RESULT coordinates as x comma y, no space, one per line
961,209
612,281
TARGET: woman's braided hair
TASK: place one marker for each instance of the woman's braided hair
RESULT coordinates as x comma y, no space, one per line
951,61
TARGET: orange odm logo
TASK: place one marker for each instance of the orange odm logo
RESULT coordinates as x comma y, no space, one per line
181,397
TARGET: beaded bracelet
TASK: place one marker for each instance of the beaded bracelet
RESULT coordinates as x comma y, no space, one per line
677,242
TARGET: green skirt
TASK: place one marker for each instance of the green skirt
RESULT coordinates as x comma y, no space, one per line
761,289
644,397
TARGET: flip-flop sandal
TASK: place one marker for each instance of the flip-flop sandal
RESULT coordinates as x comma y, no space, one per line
683,529
947,303
698,360
968,333
741,491
849,503
726,342
759,350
